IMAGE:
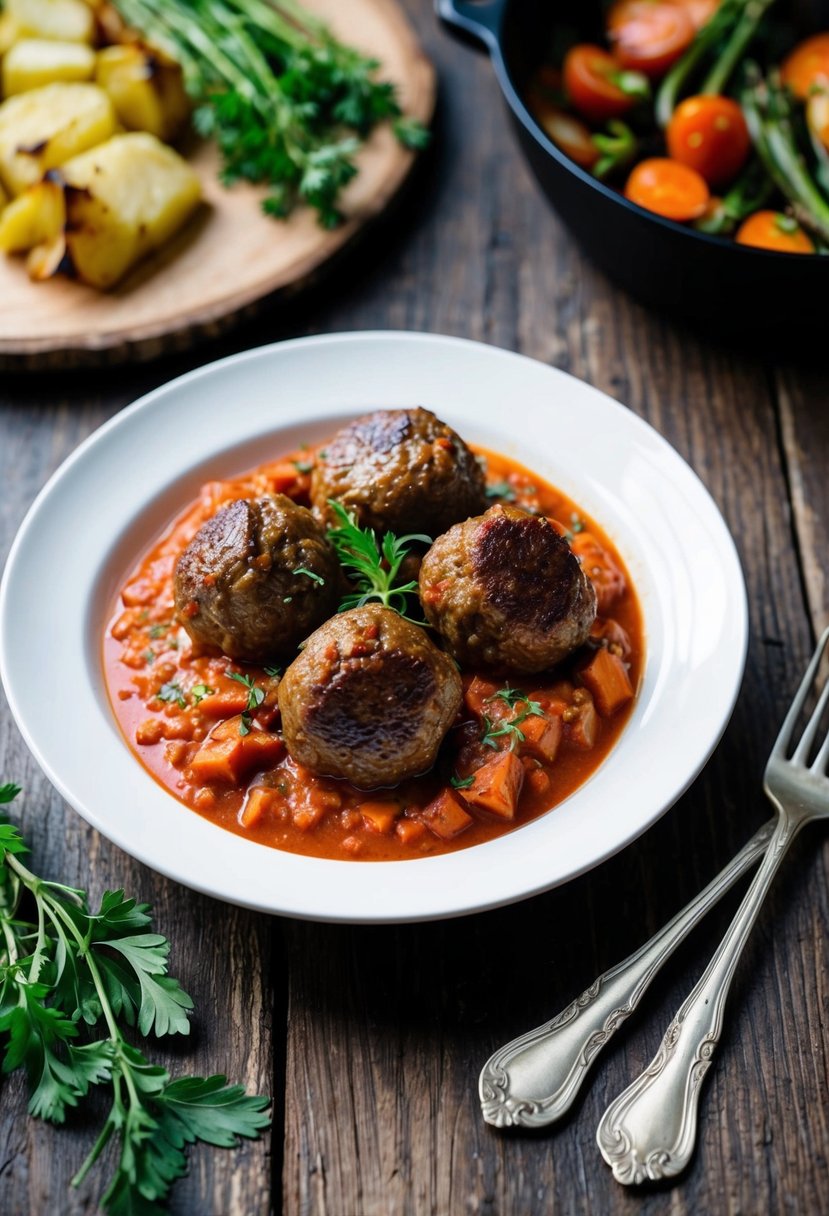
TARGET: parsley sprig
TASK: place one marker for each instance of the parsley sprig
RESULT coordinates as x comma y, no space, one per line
70,980
256,696
511,729
374,568
288,105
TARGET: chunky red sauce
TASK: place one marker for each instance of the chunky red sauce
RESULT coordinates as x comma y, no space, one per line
539,743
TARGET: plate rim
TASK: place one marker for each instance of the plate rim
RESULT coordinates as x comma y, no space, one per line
362,339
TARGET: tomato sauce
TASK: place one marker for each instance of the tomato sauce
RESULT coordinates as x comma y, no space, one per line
551,732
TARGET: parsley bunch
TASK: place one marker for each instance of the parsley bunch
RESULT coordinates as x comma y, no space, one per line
69,981
286,102
373,567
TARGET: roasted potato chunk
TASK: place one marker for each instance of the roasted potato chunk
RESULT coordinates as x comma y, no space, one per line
63,20
34,62
41,129
123,200
147,92
35,217
9,33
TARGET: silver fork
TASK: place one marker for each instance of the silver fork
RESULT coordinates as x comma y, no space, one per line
649,1131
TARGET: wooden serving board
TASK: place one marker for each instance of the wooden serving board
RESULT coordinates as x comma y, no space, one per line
231,255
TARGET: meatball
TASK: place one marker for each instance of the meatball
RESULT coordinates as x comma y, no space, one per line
505,592
399,471
370,698
256,579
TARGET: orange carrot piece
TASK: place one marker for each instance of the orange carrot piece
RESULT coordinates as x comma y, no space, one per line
379,816
217,761
227,756
607,679
409,830
258,802
445,816
496,786
477,692
222,704
541,737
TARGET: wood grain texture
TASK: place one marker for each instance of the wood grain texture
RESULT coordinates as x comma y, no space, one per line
379,1038
230,255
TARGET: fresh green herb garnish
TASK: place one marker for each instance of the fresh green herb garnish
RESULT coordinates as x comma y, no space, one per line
576,523
373,568
199,691
256,696
70,980
272,671
174,693
460,783
303,466
287,599
502,490
148,657
317,578
158,631
511,729
288,105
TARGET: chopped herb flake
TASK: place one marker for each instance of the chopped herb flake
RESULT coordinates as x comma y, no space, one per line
460,783
303,466
174,693
199,692
317,578
502,490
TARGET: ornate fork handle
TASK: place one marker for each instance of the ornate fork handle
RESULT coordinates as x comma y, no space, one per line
533,1080
649,1131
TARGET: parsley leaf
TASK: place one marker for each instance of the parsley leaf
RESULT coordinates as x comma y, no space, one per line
460,783
511,729
317,578
173,693
501,490
67,982
373,568
256,696
199,691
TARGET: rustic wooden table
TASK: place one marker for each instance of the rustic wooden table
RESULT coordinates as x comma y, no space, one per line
371,1039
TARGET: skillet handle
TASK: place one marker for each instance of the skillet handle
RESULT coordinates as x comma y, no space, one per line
475,21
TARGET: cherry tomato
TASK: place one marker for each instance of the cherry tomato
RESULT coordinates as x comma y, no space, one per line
567,132
590,80
817,116
700,11
668,188
773,230
807,66
649,35
709,134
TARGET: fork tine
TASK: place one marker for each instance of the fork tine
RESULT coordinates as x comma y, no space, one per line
803,748
786,730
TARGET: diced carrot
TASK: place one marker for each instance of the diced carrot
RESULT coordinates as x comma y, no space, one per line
222,704
541,737
607,679
217,761
538,780
379,816
496,786
581,724
445,816
409,830
479,690
258,802
228,756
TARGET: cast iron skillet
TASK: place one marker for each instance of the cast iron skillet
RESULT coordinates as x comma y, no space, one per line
709,280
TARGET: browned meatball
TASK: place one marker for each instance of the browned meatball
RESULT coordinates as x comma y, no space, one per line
370,698
399,471
505,592
256,579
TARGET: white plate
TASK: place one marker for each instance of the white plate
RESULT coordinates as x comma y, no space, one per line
126,482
